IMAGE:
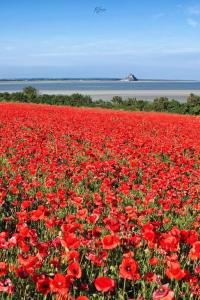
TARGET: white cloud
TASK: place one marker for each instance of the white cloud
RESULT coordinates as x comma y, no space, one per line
129,51
181,50
8,48
194,10
158,15
191,22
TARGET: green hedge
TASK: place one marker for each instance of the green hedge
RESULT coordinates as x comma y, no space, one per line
161,104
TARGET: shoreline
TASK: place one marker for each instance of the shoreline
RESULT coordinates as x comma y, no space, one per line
150,95
107,95
38,81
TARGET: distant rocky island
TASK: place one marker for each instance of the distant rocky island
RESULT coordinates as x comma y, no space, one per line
131,77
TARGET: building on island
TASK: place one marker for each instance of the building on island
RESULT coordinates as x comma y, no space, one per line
131,77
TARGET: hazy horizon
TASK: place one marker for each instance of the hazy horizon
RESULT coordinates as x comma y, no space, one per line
85,39
29,78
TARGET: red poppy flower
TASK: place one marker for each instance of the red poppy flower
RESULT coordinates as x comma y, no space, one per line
28,261
169,242
110,242
23,273
60,284
82,214
175,271
74,270
6,286
195,251
163,293
43,284
104,284
149,235
73,256
153,261
150,277
128,269
70,241
3,269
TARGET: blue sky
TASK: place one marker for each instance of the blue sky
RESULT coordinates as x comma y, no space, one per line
63,38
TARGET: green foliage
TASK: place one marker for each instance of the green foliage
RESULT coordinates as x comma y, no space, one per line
117,100
162,104
30,92
193,99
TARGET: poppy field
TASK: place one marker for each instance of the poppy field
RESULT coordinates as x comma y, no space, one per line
98,204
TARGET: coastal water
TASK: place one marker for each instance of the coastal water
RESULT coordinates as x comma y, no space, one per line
80,85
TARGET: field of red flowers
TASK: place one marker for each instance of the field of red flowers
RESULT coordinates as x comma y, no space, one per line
98,204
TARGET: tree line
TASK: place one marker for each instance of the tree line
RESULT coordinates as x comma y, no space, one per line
161,104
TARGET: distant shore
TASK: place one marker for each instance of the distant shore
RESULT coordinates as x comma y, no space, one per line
107,95
114,80
180,95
